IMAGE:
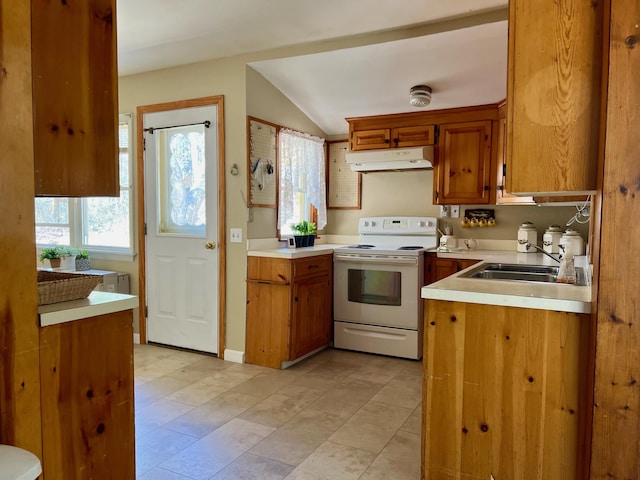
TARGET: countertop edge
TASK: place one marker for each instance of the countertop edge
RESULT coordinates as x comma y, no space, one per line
97,303
292,253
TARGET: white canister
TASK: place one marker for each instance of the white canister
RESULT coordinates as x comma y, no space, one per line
551,238
448,241
527,233
571,241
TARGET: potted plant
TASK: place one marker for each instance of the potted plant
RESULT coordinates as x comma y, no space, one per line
82,260
52,254
67,257
304,233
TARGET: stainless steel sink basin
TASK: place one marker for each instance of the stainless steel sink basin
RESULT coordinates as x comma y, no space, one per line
521,273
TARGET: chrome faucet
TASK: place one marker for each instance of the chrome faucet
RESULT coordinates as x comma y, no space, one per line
529,245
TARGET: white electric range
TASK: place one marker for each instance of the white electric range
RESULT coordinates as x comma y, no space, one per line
377,304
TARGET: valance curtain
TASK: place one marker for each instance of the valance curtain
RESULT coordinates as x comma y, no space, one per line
302,170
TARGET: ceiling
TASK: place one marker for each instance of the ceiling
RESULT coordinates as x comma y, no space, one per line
464,65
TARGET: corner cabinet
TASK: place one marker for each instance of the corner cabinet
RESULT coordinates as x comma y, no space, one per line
463,171
553,96
75,104
438,268
504,392
289,308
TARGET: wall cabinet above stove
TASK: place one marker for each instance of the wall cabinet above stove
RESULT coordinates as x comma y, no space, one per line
400,137
75,105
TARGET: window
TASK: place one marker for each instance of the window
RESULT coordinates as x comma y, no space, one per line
102,225
302,180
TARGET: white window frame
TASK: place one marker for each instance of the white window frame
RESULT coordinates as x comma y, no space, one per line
77,235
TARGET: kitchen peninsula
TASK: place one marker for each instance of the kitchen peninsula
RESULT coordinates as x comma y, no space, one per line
505,376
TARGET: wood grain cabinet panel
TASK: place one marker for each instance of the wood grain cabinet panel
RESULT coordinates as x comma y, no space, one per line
464,164
504,392
370,139
553,95
289,308
75,98
417,136
86,375
439,268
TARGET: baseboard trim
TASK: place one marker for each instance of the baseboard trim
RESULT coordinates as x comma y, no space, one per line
235,356
136,338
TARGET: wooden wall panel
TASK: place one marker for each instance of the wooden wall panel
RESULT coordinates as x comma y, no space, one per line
616,418
19,348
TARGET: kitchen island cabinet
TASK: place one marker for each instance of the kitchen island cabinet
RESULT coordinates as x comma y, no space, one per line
86,384
504,392
289,308
75,98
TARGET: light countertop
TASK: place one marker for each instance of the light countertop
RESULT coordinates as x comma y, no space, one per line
291,253
541,296
97,303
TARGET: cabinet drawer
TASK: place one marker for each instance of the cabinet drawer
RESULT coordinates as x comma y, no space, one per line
312,266
271,270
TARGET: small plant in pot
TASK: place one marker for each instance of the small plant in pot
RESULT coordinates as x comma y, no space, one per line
52,254
67,258
82,260
304,233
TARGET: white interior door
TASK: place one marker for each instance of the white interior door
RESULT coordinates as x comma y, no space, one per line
181,206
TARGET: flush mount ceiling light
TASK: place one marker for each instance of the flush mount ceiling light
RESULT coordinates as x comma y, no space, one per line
420,95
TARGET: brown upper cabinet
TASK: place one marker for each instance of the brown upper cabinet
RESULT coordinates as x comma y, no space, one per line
553,96
400,137
463,170
75,104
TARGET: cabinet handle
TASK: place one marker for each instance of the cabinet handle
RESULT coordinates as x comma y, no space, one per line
486,187
313,266
395,140
386,140
295,298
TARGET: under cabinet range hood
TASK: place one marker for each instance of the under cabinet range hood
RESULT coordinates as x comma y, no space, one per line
390,159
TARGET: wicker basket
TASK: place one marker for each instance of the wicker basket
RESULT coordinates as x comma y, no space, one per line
55,287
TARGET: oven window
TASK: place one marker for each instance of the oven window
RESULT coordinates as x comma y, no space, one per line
374,287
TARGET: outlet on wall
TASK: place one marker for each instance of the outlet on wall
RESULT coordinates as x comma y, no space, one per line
454,211
236,235
444,211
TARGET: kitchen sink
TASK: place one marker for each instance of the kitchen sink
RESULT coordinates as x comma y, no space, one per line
522,273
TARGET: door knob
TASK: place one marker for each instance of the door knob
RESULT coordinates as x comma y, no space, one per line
210,245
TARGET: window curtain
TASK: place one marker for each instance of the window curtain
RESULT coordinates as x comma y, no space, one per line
302,170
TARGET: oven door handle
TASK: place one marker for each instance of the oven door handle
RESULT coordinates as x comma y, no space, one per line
337,257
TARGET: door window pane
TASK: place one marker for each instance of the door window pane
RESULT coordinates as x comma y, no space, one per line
181,180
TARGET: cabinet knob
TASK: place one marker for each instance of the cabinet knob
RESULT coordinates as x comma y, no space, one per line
295,298
386,140
486,187
395,140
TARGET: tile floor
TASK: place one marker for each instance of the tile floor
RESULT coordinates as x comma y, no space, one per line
336,415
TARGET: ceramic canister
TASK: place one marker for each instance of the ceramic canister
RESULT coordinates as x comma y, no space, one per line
571,241
551,238
527,233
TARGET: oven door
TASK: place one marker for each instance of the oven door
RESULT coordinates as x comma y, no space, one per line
378,290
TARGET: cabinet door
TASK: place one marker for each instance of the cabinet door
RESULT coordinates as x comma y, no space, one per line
268,323
503,197
439,268
86,381
418,136
464,164
312,315
75,105
553,95
370,139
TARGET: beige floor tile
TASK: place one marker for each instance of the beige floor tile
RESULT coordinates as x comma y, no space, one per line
299,437
345,398
400,459
161,474
414,422
207,417
402,390
263,384
199,369
152,450
376,373
332,461
198,393
212,453
276,409
372,426
158,414
251,467
156,389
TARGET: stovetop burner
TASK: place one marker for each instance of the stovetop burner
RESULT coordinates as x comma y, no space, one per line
361,246
411,247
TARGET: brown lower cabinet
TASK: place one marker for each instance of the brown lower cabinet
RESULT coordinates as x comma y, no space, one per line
289,308
439,268
504,392
86,376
